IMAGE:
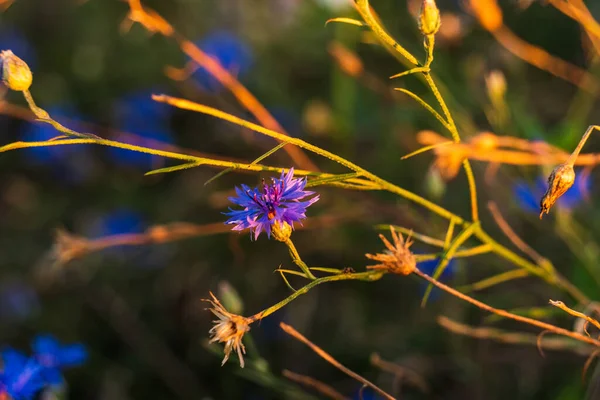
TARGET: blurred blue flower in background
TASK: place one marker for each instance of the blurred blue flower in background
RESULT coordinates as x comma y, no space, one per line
20,377
144,122
71,163
231,52
118,222
12,39
366,394
38,131
53,357
18,300
429,268
127,221
528,196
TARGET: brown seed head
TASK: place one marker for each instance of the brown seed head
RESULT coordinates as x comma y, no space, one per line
398,258
229,329
559,181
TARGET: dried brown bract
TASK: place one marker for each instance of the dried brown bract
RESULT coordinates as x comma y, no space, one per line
559,181
398,258
229,329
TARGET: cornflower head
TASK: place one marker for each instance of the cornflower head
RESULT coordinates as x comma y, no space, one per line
275,208
52,357
397,259
20,377
229,329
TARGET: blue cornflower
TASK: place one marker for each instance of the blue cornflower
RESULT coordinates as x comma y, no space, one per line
52,357
528,196
277,202
232,53
20,377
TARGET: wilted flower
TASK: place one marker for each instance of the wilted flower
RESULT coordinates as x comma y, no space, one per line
398,258
229,329
278,203
16,74
528,196
559,181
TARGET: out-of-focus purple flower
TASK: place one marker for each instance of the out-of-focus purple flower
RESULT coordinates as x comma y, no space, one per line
20,377
277,202
147,123
53,357
528,196
231,52
17,300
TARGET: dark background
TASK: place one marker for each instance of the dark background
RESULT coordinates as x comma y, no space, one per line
138,309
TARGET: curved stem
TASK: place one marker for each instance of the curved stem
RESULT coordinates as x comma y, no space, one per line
368,276
297,260
506,314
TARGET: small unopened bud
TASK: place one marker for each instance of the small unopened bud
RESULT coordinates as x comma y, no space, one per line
16,74
429,19
559,181
281,231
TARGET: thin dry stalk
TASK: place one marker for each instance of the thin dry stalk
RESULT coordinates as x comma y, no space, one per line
327,357
400,372
512,236
153,22
506,314
574,313
503,336
315,384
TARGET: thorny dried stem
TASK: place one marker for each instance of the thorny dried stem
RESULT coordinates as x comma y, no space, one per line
574,313
489,15
503,336
327,357
513,237
315,384
506,314
153,22
400,372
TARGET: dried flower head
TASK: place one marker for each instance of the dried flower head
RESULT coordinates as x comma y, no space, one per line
278,202
15,72
559,181
229,329
398,258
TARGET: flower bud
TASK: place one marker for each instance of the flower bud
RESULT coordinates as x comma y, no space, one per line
16,74
559,181
429,19
281,231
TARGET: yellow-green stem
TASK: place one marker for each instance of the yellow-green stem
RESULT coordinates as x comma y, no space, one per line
368,276
297,260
